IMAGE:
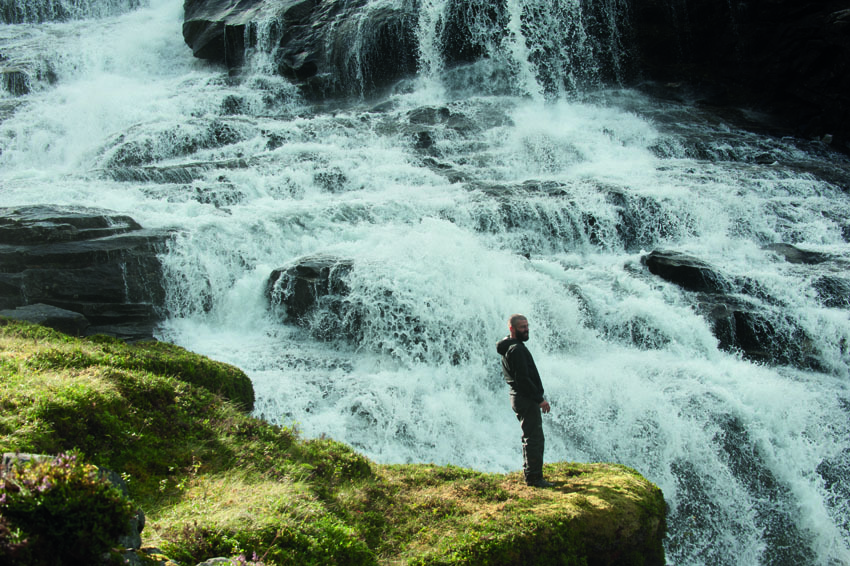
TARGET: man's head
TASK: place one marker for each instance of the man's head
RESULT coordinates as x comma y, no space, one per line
518,326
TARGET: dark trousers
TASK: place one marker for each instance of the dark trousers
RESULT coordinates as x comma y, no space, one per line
531,421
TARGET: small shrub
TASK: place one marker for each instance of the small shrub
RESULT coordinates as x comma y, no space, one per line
66,510
12,543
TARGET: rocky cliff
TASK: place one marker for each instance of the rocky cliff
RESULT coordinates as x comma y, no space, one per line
783,57
789,58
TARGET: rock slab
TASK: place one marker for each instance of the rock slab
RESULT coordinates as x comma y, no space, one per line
93,262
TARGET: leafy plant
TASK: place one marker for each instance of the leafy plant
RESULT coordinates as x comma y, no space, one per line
67,511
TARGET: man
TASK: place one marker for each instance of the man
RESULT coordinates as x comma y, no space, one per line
526,397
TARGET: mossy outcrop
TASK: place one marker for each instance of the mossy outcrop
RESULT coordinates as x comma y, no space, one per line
214,481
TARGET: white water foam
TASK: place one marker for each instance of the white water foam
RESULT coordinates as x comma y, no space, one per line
743,451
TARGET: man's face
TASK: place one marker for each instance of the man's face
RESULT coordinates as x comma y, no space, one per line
520,330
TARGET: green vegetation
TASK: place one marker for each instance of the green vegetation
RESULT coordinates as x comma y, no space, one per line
63,512
214,481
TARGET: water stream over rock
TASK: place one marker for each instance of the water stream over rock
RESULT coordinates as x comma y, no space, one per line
434,207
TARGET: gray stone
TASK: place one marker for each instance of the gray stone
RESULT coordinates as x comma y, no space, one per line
94,262
793,254
742,316
66,321
309,281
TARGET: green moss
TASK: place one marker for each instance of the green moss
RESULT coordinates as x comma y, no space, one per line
215,481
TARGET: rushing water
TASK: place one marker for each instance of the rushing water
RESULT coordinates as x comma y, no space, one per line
469,193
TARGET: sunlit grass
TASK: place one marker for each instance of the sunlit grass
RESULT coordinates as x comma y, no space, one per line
214,481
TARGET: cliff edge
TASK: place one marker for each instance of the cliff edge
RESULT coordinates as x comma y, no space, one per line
214,481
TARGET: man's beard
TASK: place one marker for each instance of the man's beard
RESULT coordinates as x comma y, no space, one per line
523,336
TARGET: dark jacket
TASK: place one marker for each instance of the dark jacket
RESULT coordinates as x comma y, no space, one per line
519,369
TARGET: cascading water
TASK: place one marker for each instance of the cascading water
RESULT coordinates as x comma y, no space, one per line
504,184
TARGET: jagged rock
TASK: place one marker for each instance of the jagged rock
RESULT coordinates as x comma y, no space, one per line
89,261
312,40
66,321
685,271
750,325
309,283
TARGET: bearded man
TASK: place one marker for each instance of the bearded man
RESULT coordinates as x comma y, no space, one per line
527,399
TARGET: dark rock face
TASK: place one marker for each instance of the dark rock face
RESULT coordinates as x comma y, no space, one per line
329,48
312,286
313,292
88,261
685,271
791,58
833,291
742,318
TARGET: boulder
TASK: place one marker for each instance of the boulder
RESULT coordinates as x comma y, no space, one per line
310,284
793,254
759,334
101,265
69,322
685,271
745,320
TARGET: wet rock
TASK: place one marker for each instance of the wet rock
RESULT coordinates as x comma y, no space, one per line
39,11
793,254
743,321
685,271
15,81
310,284
833,291
761,334
101,265
312,40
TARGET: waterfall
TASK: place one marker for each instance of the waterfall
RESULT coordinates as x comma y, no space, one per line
512,176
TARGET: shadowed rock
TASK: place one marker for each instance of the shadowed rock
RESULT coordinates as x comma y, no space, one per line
685,271
93,262
784,56
745,320
332,47
310,283
66,321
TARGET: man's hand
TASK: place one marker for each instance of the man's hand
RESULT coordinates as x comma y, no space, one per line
544,406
